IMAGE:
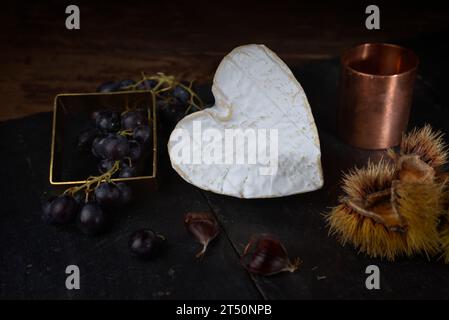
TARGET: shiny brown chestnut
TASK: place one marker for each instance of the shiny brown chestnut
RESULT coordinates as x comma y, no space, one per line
265,255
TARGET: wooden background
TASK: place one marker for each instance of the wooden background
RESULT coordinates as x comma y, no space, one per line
40,57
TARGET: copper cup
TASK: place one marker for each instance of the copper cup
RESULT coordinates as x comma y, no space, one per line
376,89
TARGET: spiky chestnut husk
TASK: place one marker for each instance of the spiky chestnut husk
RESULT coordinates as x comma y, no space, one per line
444,241
425,143
404,223
421,206
443,179
430,148
444,228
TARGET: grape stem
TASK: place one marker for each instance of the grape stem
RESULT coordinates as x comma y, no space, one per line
130,162
165,83
125,133
92,180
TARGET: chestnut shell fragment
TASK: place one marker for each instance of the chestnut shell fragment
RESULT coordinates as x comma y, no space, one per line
265,255
203,227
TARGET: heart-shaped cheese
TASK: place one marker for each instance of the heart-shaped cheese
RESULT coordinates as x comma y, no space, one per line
259,140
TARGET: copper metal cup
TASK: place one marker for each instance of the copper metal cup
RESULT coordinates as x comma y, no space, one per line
376,89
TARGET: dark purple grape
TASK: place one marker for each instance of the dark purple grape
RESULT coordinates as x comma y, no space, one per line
60,210
80,198
170,113
132,119
92,220
86,138
98,145
115,147
135,150
127,172
181,94
94,115
147,84
126,194
143,134
107,195
145,243
105,165
108,86
107,120
125,84
46,205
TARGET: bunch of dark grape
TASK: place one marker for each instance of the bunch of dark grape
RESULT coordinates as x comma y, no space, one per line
175,99
120,142
126,138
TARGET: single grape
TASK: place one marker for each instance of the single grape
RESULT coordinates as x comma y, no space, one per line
60,210
80,198
98,145
143,134
115,147
125,84
147,84
126,194
94,115
108,86
92,219
170,113
132,119
105,165
181,94
145,243
135,150
86,138
107,195
46,205
127,172
107,120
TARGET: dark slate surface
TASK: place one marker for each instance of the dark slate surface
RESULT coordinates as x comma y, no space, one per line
34,255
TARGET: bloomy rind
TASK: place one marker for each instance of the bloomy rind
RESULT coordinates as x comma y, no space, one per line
308,177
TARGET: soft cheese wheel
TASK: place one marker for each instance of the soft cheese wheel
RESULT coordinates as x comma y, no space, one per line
254,90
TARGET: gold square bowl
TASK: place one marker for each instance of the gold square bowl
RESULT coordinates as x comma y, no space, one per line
71,113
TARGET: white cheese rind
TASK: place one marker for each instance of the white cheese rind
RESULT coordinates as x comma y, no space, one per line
254,88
